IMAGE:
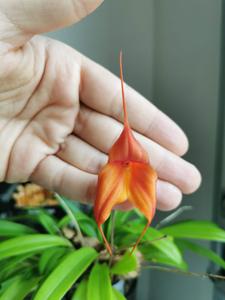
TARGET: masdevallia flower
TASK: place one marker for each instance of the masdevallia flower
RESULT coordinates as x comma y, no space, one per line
128,175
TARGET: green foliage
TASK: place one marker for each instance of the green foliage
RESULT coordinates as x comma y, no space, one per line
19,288
127,263
48,222
11,266
81,291
99,284
202,251
51,257
202,230
164,246
30,243
12,229
152,254
66,274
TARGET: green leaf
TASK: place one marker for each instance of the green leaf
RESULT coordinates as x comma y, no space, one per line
117,295
4,284
81,291
88,227
11,229
50,258
10,266
65,274
30,243
164,244
123,216
204,230
99,283
202,251
64,221
73,205
48,223
87,224
152,254
126,264
79,215
19,288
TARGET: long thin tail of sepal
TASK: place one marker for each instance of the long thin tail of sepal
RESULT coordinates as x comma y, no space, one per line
126,123
140,237
107,245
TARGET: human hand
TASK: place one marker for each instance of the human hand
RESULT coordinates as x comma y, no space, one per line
60,112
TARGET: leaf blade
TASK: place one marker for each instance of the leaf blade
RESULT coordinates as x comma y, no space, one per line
81,291
126,264
19,288
65,274
152,254
203,230
202,251
11,229
99,283
30,243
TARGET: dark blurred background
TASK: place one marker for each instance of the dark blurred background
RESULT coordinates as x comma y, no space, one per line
173,56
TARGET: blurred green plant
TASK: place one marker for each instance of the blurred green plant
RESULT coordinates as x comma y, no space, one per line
45,257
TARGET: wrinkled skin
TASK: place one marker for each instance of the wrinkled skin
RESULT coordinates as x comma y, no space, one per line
60,112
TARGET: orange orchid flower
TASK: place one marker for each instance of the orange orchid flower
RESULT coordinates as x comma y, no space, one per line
127,176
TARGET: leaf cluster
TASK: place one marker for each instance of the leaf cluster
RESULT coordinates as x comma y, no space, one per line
45,256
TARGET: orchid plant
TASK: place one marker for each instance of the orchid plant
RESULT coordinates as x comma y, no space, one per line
58,253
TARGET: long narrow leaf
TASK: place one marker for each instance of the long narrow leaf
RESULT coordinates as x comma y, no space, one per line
152,254
50,259
48,223
10,266
99,283
81,291
19,288
202,251
65,274
204,230
30,243
11,229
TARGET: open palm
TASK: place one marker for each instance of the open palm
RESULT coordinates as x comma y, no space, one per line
60,112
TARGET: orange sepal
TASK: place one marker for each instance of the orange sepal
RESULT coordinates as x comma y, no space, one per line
142,192
118,182
127,148
111,190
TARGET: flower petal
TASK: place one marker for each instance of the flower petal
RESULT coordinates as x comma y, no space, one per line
127,148
111,190
142,192
142,188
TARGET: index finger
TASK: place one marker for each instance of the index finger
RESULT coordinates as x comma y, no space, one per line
100,90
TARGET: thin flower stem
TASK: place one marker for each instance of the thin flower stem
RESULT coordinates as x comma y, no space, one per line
113,222
173,216
72,217
177,271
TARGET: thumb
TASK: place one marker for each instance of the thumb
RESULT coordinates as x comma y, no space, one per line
20,19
